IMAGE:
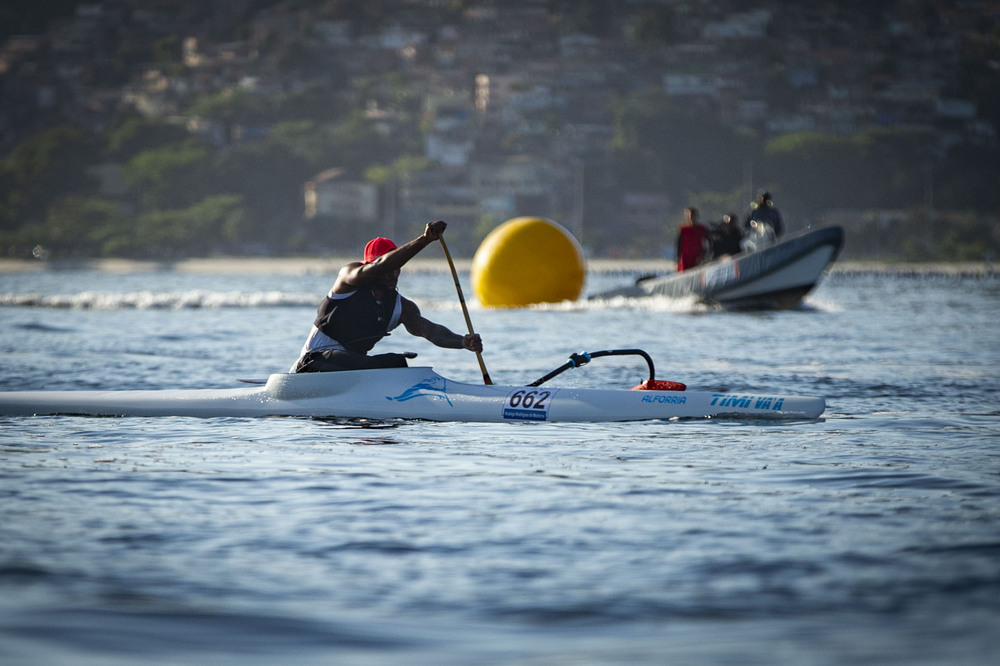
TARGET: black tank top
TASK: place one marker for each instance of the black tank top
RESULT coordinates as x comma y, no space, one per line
357,321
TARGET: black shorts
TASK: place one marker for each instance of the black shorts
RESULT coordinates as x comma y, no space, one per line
333,361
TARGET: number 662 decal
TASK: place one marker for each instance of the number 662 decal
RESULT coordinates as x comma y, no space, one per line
528,404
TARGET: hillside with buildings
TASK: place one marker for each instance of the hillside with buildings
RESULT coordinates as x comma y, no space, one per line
177,128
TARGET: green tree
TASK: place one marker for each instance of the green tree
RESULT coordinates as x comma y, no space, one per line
815,171
205,227
234,107
657,25
713,205
318,103
47,166
167,51
961,236
300,138
665,146
169,177
969,174
135,134
88,226
356,144
401,167
268,177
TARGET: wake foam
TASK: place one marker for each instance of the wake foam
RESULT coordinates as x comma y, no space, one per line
151,300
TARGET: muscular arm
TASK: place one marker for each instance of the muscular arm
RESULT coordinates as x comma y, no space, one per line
357,274
417,324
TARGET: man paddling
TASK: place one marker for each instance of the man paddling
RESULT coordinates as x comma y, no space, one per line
363,306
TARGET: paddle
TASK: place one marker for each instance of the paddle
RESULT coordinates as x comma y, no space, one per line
465,308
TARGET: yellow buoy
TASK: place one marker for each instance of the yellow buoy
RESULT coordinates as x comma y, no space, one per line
528,260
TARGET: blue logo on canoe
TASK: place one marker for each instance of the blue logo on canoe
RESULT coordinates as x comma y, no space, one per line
433,387
764,402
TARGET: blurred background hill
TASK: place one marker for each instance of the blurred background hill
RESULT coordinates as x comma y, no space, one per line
173,128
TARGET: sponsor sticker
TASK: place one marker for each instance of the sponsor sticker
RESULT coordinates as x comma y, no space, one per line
434,388
663,399
759,403
528,404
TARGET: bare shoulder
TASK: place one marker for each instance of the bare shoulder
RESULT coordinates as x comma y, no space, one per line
349,278
409,308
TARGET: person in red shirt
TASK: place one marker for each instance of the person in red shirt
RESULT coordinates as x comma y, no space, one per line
692,241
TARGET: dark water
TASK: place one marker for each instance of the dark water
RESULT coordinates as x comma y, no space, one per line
870,536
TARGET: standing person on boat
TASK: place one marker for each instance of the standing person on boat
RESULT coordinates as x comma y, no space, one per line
363,306
764,210
692,241
726,237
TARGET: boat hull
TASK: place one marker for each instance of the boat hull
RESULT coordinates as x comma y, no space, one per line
410,393
777,277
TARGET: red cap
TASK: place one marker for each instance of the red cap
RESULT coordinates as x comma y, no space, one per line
377,247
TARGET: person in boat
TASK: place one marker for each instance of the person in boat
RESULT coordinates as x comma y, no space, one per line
692,241
363,305
726,238
764,210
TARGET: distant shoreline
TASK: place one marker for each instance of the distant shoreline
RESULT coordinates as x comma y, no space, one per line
330,265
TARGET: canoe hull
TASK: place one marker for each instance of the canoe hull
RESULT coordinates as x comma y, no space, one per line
410,393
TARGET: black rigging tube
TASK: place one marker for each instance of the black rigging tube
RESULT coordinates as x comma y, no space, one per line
583,358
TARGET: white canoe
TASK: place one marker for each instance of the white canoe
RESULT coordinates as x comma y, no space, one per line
411,393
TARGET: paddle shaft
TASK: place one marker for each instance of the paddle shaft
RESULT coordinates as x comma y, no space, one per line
465,308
